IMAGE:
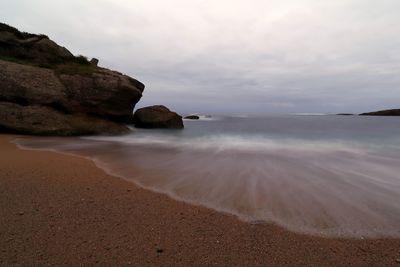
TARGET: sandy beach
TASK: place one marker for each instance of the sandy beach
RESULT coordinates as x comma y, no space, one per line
62,210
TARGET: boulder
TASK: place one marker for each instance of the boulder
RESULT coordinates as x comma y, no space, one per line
388,112
192,117
157,117
94,61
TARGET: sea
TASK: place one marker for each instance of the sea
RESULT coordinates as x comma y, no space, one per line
324,175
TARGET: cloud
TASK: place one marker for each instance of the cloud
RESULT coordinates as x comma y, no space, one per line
235,56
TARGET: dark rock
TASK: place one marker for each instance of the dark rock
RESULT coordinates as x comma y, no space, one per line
94,61
29,85
345,114
157,117
192,117
41,120
388,112
106,93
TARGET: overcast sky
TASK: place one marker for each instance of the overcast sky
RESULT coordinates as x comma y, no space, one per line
239,56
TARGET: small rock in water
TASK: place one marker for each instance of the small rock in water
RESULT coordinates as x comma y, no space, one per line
192,117
398,260
160,250
20,213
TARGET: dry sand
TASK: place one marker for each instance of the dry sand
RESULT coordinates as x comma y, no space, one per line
62,210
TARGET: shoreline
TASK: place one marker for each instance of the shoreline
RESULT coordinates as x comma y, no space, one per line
64,210
102,166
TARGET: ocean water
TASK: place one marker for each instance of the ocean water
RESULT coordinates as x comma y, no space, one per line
322,175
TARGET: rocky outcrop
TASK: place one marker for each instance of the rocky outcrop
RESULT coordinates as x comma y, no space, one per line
388,112
70,89
157,117
42,120
105,93
192,117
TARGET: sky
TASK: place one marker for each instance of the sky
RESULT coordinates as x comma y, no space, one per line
234,56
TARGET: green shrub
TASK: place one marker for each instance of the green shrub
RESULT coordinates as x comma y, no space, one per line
21,35
82,60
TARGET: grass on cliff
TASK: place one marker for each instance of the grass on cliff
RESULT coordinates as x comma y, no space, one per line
79,67
22,35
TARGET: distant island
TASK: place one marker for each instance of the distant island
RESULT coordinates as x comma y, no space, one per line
388,112
46,90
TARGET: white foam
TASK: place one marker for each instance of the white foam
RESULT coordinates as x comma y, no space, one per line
327,188
309,114
236,143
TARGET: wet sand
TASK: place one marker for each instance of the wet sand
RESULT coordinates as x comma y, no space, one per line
62,210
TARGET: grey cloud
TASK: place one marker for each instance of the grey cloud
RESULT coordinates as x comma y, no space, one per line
235,56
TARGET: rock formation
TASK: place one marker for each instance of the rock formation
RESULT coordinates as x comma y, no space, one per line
192,117
388,112
157,117
94,61
46,90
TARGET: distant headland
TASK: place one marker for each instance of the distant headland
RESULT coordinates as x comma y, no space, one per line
388,112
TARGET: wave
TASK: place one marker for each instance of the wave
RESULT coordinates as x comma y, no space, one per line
244,143
325,187
205,118
310,114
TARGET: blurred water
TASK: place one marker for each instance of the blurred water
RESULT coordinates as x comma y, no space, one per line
323,175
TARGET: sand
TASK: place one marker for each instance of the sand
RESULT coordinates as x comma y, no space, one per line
62,210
